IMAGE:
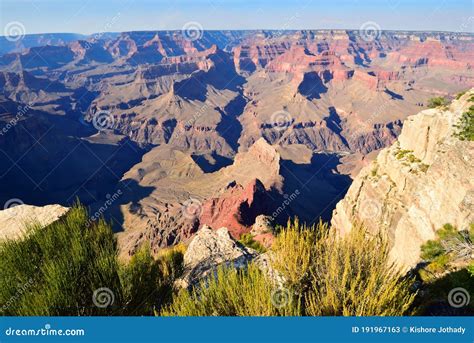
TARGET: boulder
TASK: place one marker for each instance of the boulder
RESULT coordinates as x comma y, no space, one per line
210,249
263,224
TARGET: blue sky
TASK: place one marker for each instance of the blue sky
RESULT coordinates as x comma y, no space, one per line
88,16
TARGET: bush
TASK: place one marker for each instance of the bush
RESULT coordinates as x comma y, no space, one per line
231,292
323,275
437,102
352,276
66,262
294,251
450,241
431,250
247,240
450,245
460,94
465,126
147,284
55,271
171,261
470,268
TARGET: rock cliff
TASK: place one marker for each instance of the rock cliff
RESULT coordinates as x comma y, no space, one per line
15,220
416,185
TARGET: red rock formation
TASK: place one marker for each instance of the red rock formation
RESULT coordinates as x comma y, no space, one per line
236,208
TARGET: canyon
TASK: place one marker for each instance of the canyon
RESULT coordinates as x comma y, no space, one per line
163,134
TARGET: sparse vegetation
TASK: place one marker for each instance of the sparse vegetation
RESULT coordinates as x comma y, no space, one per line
465,126
373,171
449,265
324,275
295,251
470,268
424,167
450,245
402,153
438,102
460,94
410,160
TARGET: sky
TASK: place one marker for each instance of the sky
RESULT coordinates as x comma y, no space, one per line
90,16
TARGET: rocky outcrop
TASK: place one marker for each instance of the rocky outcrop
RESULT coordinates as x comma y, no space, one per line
210,249
415,186
263,224
236,208
263,230
15,220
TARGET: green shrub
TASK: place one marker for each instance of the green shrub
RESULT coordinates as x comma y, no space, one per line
323,275
460,94
431,250
171,261
247,240
450,245
340,276
413,159
400,154
231,292
67,261
448,231
63,264
56,270
146,283
470,268
373,171
424,167
437,102
465,126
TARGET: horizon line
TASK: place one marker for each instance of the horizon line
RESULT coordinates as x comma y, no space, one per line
260,29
